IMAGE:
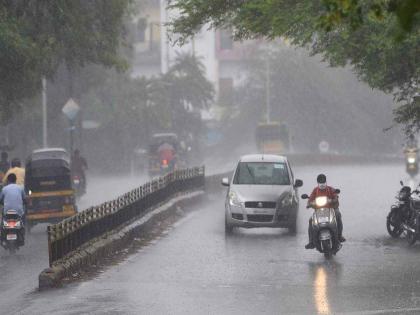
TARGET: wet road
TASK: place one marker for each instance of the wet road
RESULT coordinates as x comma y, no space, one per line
194,269
19,273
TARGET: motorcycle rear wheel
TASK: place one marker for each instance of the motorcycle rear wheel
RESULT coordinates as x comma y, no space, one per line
393,230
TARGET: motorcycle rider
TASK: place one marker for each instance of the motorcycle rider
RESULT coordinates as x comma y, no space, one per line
79,165
13,197
16,168
324,190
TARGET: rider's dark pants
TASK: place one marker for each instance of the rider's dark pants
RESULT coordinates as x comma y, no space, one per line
339,225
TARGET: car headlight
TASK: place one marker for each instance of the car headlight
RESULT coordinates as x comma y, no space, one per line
321,201
411,160
287,200
233,199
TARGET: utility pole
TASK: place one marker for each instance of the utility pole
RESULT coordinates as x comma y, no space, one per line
267,88
44,113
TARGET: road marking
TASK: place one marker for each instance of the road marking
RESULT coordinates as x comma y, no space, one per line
388,311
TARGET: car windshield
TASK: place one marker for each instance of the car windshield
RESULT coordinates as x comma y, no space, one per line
262,173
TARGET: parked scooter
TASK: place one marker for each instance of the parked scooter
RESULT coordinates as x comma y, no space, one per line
400,212
324,226
12,231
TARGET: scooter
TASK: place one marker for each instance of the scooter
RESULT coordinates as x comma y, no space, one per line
12,231
79,185
324,226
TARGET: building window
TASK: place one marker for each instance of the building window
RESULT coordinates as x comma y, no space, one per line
141,30
226,91
226,41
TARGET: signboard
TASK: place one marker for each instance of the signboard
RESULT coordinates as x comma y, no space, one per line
71,109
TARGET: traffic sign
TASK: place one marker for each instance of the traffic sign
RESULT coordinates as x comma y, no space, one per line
71,109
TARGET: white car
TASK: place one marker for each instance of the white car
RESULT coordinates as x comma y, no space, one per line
262,193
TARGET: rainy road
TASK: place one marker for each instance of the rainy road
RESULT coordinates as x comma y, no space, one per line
194,269
19,273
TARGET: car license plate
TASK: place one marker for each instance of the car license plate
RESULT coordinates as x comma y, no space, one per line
261,212
11,237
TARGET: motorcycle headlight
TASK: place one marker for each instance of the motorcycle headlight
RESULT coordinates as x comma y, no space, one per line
287,200
411,160
321,201
233,199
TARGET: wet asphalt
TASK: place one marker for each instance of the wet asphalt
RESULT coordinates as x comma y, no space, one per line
193,268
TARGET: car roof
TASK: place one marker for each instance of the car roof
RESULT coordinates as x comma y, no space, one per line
50,153
263,158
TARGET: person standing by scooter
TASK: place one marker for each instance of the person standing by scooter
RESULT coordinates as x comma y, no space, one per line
323,190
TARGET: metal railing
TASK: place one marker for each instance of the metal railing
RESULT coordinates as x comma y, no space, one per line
73,232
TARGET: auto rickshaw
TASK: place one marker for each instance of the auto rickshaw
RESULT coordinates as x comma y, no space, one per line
48,185
157,166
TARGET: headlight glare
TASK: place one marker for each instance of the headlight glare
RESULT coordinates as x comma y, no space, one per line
321,201
233,199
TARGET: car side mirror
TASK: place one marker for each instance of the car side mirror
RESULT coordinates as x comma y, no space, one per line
298,183
401,183
304,196
225,181
337,191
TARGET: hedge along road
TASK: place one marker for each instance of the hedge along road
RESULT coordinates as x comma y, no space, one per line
195,269
19,273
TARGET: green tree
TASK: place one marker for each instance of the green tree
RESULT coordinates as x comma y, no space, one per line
366,34
36,37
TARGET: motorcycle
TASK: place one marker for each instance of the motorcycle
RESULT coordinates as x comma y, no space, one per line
412,226
12,231
411,164
79,185
324,226
400,212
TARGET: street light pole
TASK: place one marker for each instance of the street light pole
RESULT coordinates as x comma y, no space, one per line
44,113
267,88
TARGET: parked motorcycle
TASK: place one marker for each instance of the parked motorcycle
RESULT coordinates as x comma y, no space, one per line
412,226
400,212
324,226
12,232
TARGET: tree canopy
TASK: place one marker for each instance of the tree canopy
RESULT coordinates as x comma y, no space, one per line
36,37
380,39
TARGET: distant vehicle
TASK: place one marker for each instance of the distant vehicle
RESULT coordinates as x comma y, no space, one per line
262,193
411,162
49,187
163,150
272,138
